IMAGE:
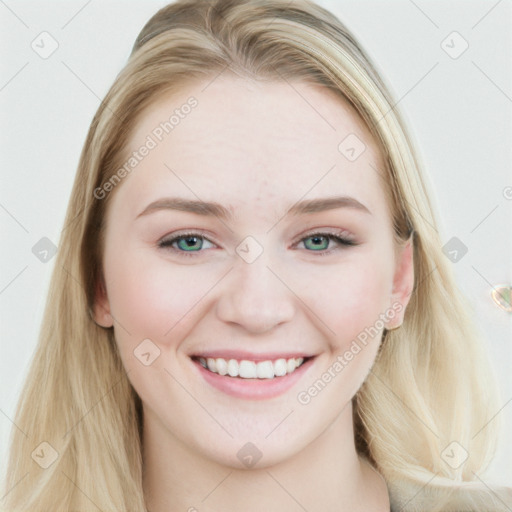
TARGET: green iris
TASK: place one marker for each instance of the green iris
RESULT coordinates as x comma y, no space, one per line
319,242
195,243
191,243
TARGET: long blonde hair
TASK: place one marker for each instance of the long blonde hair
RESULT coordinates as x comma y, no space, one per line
430,385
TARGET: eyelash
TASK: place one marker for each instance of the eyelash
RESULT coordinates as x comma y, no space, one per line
332,236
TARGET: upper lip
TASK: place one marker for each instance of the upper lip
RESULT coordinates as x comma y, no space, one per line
241,355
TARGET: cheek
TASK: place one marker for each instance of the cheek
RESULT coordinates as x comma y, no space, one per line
156,299
153,299
350,299
351,303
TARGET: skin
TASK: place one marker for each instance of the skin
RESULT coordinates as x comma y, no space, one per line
268,148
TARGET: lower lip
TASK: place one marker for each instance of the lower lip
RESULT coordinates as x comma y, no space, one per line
253,389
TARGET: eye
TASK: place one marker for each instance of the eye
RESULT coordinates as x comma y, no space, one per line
186,243
190,244
319,242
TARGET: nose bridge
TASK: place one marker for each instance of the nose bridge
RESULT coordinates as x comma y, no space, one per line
255,297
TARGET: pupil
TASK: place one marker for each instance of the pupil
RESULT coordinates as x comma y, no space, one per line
318,241
190,242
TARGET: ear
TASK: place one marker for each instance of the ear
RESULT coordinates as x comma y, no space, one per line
101,307
403,284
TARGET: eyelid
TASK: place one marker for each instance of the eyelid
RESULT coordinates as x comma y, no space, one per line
343,239
172,237
343,233
336,232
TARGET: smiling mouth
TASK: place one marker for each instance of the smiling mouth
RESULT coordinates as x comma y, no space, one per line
245,369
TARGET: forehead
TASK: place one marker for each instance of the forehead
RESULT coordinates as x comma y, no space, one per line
246,141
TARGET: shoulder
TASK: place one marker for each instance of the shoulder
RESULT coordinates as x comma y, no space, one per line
448,496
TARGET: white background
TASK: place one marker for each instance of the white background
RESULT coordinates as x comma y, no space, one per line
459,111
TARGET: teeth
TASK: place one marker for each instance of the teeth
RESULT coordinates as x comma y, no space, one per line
280,367
250,369
222,366
247,369
233,368
265,370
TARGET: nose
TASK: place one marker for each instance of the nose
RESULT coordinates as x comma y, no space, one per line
255,297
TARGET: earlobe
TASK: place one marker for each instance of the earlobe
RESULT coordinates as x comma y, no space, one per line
101,308
403,284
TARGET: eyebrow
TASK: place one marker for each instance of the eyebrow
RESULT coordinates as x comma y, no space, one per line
217,210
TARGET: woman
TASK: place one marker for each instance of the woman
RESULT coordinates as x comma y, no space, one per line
250,307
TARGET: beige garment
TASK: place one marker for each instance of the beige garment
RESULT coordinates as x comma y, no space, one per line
408,496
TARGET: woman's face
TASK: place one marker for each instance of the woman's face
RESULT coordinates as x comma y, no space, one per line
258,275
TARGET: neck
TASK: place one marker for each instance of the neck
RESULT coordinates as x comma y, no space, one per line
326,475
